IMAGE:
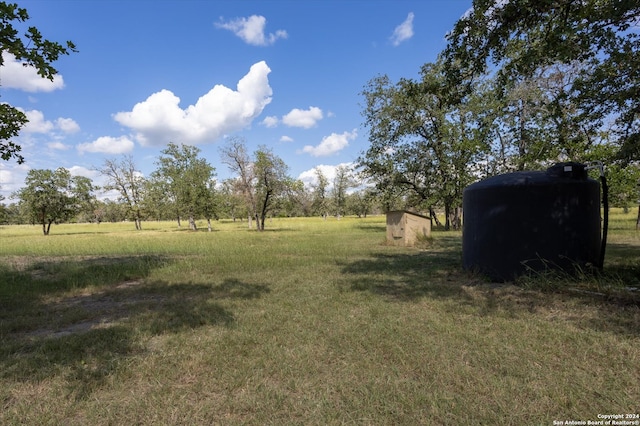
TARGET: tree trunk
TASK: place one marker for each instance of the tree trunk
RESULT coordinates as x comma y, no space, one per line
192,223
456,220
259,223
447,216
638,220
48,227
209,224
434,217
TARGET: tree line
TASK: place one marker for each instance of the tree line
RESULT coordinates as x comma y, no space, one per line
521,84
183,187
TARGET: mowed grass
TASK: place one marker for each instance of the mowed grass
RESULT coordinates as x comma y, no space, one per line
310,322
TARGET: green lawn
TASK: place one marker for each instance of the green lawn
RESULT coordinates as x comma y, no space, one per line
310,322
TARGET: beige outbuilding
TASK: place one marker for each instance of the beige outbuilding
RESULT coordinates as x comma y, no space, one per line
405,227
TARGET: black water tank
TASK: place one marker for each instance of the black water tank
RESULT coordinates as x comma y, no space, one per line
531,221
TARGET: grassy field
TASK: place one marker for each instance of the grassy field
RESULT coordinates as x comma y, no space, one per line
311,322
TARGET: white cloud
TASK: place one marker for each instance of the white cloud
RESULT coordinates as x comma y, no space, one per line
309,177
58,146
108,144
271,121
251,30
83,171
159,119
331,144
67,125
37,123
17,76
286,138
11,179
403,31
303,118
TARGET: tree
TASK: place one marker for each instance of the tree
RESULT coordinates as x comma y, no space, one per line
361,202
34,50
111,211
188,180
272,183
425,141
158,202
4,214
235,155
341,183
231,199
53,196
320,190
83,192
123,177
517,39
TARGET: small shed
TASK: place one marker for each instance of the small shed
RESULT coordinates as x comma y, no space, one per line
405,227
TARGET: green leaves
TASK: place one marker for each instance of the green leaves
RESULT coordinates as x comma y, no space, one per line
188,179
425,138
52,196
519,40
34,50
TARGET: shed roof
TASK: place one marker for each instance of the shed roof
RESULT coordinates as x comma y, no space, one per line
409,212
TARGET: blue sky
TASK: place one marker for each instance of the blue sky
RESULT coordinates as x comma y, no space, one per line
285,74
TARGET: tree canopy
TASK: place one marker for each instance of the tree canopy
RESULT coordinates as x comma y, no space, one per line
34,50
521,84
51,196
422,142
188,180
598,39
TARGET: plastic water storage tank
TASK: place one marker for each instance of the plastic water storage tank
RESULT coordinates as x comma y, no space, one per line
531,221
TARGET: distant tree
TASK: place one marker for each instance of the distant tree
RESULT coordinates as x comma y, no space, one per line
3,211
158,202
123,177
362,202
272,183
321,194
83,191
235,155
14,214
33,50
209,202
231,199
112,211
294,201
342,181
301,204
188,179
53,196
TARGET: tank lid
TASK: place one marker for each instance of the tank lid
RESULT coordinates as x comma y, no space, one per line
569,170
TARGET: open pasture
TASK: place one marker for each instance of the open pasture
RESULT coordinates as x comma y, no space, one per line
309,322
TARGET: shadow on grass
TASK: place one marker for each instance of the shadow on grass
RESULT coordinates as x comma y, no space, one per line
25,275
405,276
84,336
436,273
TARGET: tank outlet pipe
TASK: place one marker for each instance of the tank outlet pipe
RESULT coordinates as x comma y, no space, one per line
605,206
